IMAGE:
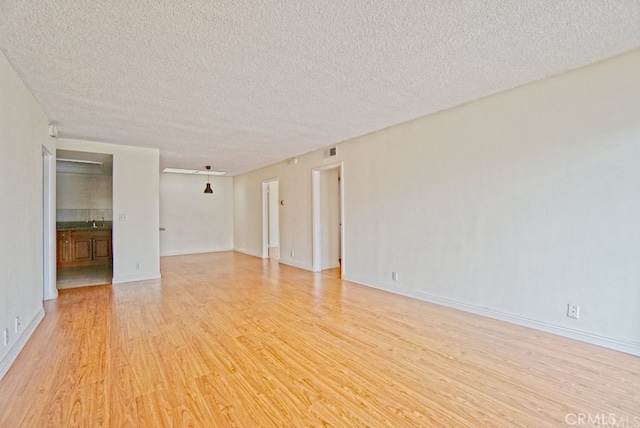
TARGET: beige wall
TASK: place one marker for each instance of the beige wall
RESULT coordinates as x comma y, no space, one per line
23,134
295,214
195,222
512,206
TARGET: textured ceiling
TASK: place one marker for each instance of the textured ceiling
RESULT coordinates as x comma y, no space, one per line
242,84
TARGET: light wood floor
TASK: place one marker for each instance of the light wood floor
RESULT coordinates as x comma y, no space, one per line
334,272
229,340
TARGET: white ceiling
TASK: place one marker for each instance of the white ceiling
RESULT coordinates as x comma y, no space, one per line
243,84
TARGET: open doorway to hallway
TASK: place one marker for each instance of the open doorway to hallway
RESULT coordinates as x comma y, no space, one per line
271,219
328,220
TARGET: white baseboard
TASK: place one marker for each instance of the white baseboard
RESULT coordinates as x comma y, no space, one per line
628,347
133,278
296,264
14,351
200,251
283,261
248,252
331,266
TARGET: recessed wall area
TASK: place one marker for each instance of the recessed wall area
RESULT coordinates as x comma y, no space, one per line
84,218
192,221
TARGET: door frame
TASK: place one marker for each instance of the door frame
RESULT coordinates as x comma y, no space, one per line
265,215
49,250
316,209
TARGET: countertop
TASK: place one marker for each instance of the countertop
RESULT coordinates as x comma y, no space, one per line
82,225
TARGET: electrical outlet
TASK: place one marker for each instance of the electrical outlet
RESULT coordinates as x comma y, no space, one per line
6,336
395,276
293,255
138,266
573,311
17,325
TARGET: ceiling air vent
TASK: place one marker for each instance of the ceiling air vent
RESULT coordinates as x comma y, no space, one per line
330,152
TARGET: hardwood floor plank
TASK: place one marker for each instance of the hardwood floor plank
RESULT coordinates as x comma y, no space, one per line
226,339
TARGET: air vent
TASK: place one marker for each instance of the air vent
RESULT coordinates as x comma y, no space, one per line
330,152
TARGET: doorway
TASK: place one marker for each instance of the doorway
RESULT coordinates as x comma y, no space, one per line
84,218
328,214
271,219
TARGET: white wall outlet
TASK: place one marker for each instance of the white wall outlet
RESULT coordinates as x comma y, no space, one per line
122,217
293,255
395,276
17,325
138,266
573,311
6,336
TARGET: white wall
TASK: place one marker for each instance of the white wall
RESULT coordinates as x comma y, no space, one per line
136,195
195,222
294,181
23,133
511,206
83,191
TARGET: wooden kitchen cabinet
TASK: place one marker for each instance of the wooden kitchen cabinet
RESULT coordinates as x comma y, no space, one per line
84,247
64,248
102,247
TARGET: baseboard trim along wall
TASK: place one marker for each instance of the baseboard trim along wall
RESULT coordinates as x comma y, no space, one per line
14,351
134,278
284,262
200,251
296,265
628,347
248,253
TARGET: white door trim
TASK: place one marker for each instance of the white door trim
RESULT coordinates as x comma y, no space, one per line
316,216
265,216
49,289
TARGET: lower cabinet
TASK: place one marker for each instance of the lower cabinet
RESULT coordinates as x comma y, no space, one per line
82,250
102,248
64,248
84,247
